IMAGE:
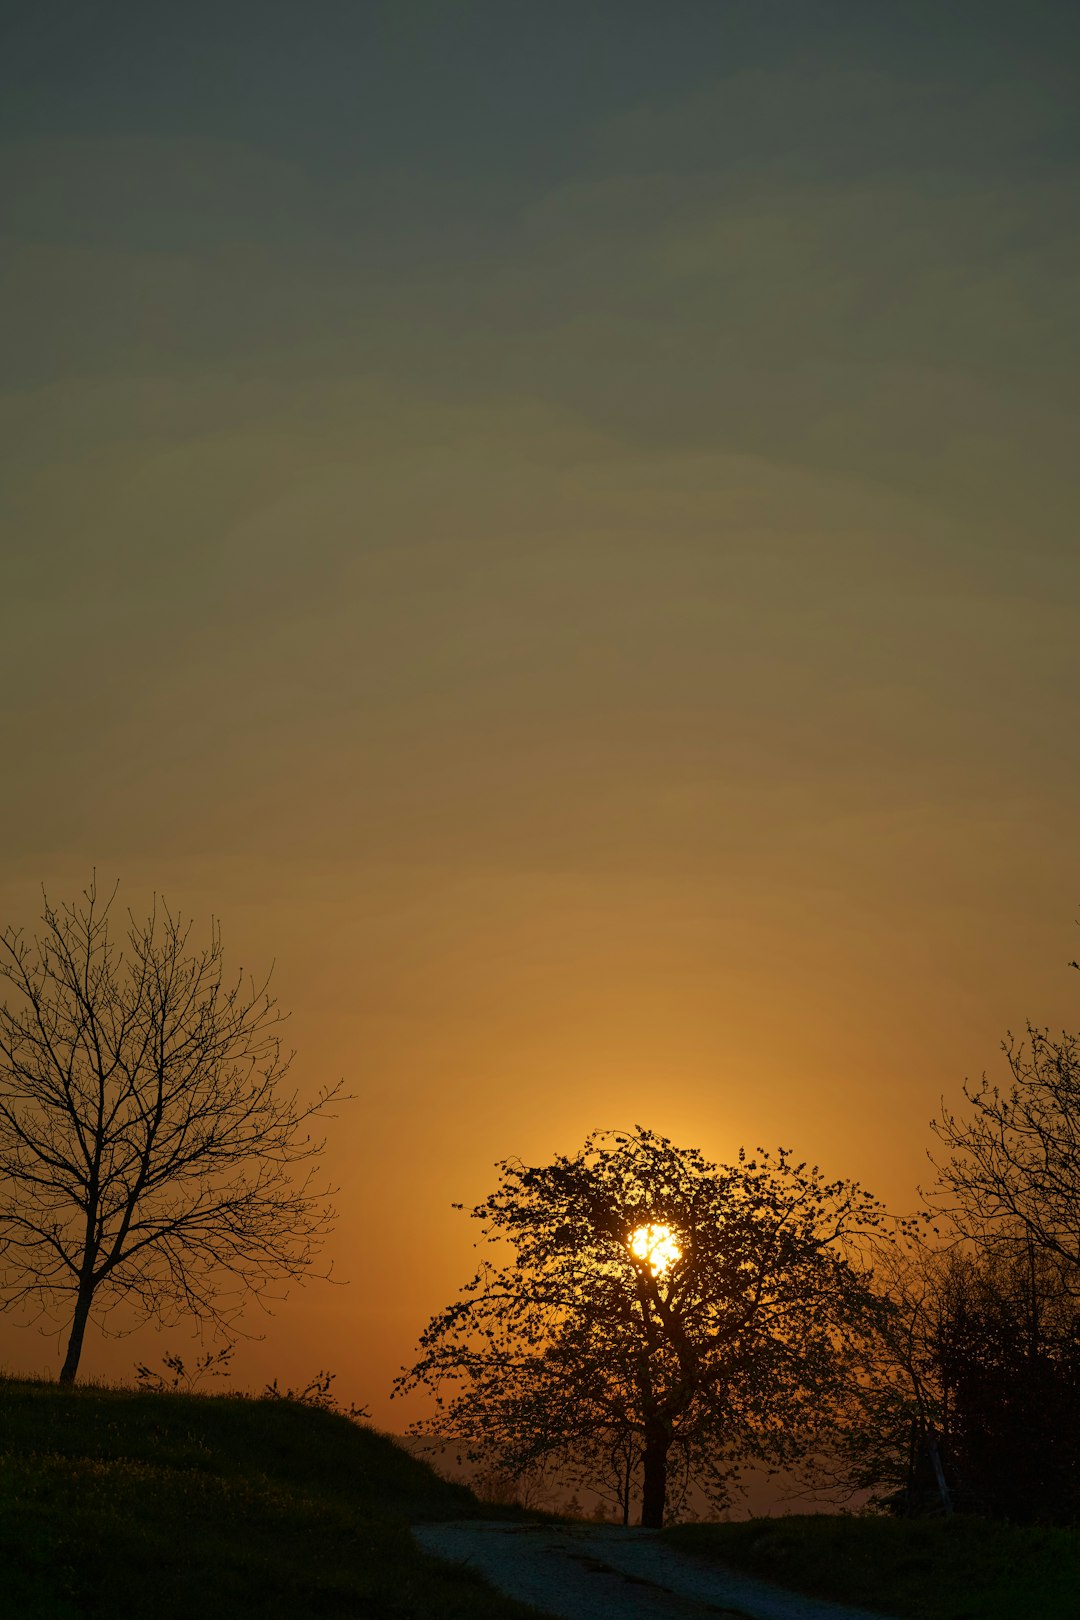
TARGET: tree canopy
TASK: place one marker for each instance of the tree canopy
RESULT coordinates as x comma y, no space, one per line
636,1304
1007,1329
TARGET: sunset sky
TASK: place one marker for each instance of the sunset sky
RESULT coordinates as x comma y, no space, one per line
556,522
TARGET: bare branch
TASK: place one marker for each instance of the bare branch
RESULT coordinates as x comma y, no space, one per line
148,1143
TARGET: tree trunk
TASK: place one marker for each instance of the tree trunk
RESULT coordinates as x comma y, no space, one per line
83,1302
939,1473
654,1487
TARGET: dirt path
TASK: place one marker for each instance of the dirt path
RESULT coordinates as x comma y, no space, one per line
602,1572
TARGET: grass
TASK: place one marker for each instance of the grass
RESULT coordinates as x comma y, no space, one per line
117,1504
930,1569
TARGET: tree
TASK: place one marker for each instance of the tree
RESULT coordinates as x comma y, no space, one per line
1014,1161
147,1147
972,1401
1008,1350
611,1467
640,1301
1009,1183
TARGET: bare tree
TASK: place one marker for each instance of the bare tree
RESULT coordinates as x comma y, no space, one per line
148,1150
889,1439
1013,1165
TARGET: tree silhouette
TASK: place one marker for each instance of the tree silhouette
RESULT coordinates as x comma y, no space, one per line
569,1344
147,1147
972,1401
895,1433
1014,1160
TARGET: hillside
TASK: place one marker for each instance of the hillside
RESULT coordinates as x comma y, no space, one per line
116,1504
914,1569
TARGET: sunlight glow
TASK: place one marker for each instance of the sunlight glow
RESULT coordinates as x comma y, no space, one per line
655,1245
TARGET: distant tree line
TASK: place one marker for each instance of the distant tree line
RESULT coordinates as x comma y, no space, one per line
974,1401
985,1323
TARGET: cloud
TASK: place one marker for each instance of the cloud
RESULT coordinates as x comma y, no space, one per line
690,470
817,116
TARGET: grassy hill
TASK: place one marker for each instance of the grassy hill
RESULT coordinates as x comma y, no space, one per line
917,1569
119,1504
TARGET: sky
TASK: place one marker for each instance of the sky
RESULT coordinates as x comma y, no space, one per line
555,523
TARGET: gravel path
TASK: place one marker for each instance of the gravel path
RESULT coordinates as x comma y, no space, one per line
602,1572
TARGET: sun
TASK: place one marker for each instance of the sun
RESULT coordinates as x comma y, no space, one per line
655,1245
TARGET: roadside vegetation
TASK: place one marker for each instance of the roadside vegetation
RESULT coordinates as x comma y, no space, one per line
116,1504
913,1569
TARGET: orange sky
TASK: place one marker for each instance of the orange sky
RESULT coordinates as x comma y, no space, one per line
566,545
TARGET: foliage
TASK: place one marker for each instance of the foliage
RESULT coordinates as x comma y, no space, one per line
147,1148
888,1440
316,1392
1007,1346
185,1378
567,1345
925,1569
1008,1349
119,1504
532,1490
180,1376
973,1401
